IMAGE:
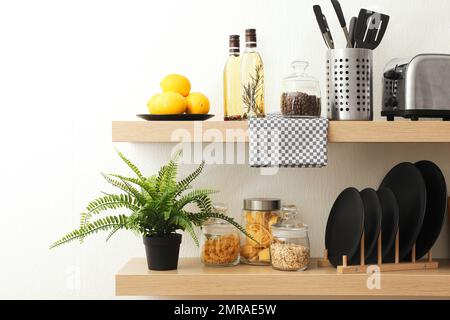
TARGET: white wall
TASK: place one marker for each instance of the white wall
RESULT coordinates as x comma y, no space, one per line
67,68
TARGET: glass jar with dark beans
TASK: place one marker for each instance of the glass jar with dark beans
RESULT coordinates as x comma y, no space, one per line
301,93
299,104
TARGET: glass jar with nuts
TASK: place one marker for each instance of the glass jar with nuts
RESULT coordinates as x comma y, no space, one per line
290,249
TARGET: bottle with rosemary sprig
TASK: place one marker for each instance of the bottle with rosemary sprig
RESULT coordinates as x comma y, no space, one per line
252,78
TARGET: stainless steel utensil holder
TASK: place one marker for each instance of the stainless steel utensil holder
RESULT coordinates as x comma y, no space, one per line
349,84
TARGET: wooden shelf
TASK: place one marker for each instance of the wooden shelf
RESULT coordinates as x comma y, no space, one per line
226,131
193,279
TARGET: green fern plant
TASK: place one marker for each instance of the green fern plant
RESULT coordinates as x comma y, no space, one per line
157,205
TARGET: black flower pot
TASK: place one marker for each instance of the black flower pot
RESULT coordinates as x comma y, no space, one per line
162,252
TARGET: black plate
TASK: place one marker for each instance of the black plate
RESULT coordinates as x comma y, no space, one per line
436,206
175,117
345,226
372,224
408,186
389,223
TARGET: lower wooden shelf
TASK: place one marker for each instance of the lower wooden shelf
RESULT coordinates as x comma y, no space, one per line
193,279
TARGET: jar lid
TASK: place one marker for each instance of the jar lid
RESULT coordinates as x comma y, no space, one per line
290,226
299,73
218,208
262,204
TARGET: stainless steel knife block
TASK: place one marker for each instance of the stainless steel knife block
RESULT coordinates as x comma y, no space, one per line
349,84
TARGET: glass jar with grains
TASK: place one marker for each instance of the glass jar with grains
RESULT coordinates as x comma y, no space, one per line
301,93
290,249
259,214
219,241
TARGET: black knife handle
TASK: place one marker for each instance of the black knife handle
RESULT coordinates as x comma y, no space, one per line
319,17
339,13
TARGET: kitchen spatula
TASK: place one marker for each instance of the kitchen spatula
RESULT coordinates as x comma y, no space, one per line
370,29
377,33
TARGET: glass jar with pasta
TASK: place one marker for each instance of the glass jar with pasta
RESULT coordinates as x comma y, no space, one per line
219,241
259,214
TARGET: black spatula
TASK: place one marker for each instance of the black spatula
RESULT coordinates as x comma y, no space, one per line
370,29
377,33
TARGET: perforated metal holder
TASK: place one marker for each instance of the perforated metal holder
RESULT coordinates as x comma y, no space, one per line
349,84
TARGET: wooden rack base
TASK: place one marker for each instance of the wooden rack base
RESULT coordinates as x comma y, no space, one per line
419,265
383,267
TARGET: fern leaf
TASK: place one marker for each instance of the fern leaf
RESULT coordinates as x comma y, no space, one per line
193,196
169,180
109,202
204,204
185,183
176,156
104,224
166,179
150,187
205,216
159,178
83,218
126,187
131,165
195,218
165,204
191,231
146,185
117,228
113,202
185,224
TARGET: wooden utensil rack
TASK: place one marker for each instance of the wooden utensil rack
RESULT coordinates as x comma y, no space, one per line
345,268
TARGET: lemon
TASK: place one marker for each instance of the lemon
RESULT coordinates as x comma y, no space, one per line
176,83
152,103
197,103
167,103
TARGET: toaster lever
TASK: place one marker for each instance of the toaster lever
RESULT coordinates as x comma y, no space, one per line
392,75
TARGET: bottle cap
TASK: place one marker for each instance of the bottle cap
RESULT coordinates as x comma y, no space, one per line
250,37
234,43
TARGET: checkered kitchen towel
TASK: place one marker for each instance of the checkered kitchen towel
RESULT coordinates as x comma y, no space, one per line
277,141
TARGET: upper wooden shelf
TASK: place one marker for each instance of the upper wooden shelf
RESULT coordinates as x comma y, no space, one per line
227,131
193,279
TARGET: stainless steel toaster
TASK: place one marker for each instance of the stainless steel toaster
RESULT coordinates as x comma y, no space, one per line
417,87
